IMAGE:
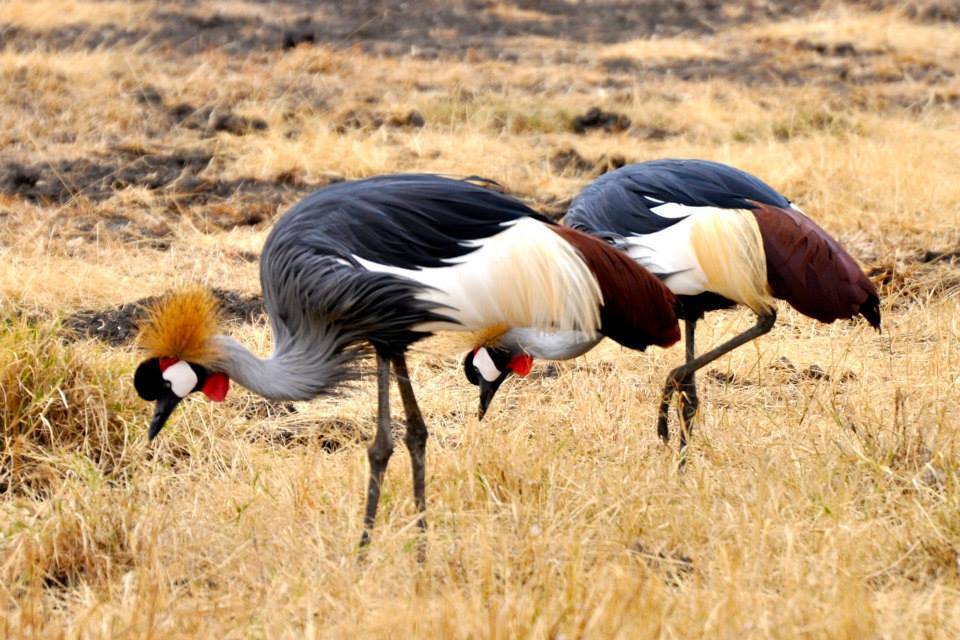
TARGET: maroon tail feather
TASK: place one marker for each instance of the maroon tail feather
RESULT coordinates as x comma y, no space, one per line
811,271
638,310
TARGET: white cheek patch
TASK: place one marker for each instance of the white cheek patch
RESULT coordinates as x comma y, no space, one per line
181,377
484,364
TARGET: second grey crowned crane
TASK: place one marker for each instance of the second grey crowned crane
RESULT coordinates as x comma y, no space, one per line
382,263
718,237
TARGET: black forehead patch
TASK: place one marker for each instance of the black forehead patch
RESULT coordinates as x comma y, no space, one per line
202,374
148,379
470,370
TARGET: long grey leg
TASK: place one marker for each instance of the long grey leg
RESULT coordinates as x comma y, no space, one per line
415,437
677,377
382,448
688,386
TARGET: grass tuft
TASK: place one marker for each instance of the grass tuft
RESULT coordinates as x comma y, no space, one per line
57,400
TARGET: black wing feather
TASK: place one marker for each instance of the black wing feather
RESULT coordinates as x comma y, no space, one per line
311,278
403,220
619,203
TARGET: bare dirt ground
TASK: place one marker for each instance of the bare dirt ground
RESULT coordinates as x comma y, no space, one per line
144,145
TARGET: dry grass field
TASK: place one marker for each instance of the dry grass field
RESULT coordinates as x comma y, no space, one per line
145,145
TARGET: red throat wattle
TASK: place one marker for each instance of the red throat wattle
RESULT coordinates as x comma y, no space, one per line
521,364
216,386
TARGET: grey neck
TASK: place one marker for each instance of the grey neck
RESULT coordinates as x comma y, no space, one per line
289,374
559,345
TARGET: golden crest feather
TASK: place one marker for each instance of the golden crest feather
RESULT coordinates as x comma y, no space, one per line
182,324
444,343
490,336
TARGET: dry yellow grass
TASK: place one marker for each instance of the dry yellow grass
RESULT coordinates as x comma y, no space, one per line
46,14
812,506
886,31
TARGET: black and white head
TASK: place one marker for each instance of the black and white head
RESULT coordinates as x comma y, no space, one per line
487,367
178,337
167,381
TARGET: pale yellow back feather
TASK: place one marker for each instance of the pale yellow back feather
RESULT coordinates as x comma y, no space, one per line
543,282
729,248
525,276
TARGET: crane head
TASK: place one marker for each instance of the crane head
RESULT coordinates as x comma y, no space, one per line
487,367
167,381
178,334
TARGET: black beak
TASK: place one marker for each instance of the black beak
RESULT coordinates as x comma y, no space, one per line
165,406
487,391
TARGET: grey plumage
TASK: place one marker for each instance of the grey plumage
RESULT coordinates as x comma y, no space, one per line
325,309
544,345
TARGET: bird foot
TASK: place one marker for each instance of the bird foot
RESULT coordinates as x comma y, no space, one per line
663,429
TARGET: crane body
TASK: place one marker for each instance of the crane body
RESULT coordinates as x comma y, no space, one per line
718,237
380,263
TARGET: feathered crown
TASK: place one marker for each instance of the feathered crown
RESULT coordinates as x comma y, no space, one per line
445,343
181,325
488,336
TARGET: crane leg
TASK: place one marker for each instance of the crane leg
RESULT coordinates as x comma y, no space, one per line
382,448
688,386
415,437
676,379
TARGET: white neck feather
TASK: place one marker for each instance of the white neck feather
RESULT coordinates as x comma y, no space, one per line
555,345
288,374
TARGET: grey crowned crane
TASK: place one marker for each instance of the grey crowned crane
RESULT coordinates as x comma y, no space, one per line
718,237
382,263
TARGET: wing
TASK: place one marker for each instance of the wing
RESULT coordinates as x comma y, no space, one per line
638,310
653,211
407,221
810,270
645,198
469,257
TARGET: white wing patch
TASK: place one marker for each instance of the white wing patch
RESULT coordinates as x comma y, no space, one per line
669,255
524,276
711,249
675,210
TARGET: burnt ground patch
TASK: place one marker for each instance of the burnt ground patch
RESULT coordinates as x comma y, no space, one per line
330,434
76,36
97,179
927,273
929,256
210,119
180,176
836,66
365,119
426,29
597,118
569,161
118,326
922,10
